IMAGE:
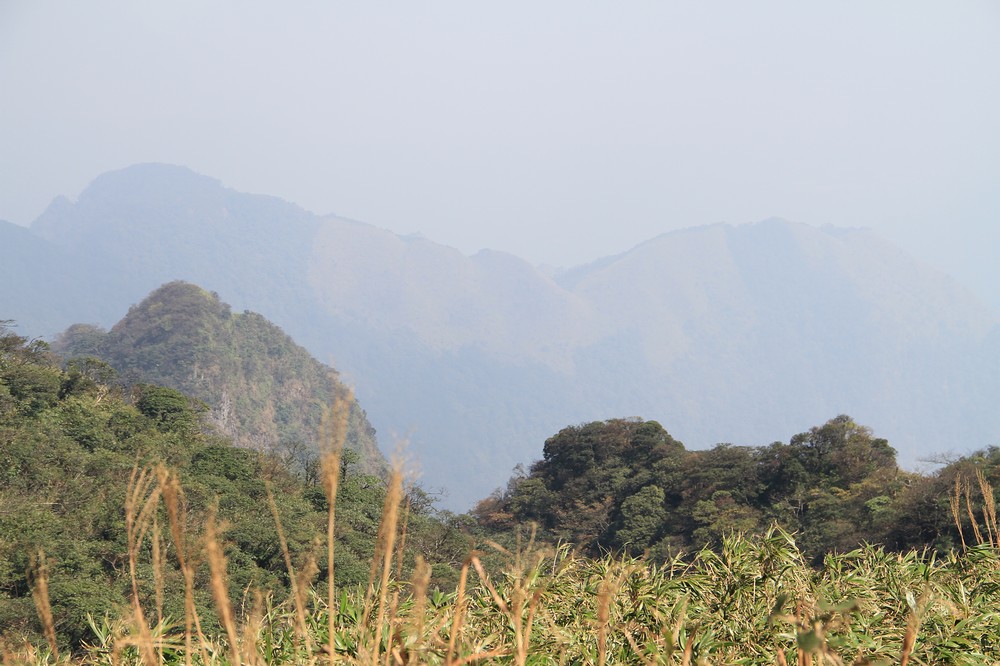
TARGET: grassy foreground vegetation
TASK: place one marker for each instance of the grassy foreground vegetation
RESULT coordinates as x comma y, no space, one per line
130,533
754,600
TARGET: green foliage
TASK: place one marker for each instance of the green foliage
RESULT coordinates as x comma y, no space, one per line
32,386
626,485
751,600
69,441
169,409
263,391
642,518
576,491
68,445
841,453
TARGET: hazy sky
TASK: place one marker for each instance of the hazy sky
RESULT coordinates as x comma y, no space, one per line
557,130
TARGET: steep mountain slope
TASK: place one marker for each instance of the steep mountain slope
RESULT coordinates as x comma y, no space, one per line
721,333
492,301
265,392
778,320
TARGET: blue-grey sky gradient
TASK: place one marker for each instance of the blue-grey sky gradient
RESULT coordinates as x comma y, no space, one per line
560,131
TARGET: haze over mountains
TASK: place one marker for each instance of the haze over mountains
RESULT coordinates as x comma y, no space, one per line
746,334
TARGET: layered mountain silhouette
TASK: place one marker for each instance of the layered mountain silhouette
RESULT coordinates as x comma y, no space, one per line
741,334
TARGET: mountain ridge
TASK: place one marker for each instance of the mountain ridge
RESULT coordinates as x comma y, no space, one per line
757,329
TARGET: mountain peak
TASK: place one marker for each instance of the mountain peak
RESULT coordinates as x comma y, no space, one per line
150,178
117,199
177,309
264,390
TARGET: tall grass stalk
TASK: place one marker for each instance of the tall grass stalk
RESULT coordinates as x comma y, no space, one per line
387,539
158,577
955,503
39,580
141,501
298,594
252,628
173,502
972,515
989,508
220,589
962,495
459,612
335,428
421,581
394,604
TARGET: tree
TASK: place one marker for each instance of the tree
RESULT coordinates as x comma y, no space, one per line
625,483
587,471
170,409
642,518
721,515
841,452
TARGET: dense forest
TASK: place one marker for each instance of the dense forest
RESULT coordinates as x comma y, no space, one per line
626,485
72,436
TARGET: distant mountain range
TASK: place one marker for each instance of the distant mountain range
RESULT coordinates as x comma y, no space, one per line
745,334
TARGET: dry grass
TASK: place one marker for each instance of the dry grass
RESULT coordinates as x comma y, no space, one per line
141,501
553,606
962,496
335,428
40,594
220,589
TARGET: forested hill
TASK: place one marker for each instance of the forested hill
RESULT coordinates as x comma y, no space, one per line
264,391
627,485
71,438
